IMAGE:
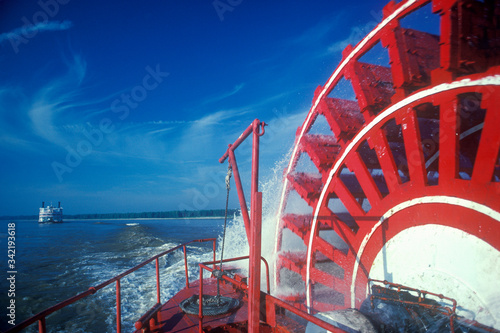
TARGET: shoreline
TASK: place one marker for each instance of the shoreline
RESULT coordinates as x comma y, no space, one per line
155,218
130,219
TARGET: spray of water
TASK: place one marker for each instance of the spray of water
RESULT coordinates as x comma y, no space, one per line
235,238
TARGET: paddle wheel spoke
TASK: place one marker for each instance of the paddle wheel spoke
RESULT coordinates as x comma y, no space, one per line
365,178
386,159
487,152
448,141
413,147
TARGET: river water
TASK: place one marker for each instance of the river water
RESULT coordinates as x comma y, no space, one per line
56,261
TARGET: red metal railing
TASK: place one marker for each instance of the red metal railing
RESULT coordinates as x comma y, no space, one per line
203,265
40,317
398,288
271,301
240,285
422,295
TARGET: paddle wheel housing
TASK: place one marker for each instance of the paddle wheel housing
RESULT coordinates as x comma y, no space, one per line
402,182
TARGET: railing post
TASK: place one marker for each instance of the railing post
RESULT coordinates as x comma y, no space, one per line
268,286
186,266
255,255
200,308
41,326
255,235
118,308
158,281
213,245
255,165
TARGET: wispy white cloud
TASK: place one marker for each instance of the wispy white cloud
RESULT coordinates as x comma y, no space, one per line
356,34
31,30
218,117
174,143
313,39
333,29
51,101
225,95
34,119
317,33
147,141
206,137
160,131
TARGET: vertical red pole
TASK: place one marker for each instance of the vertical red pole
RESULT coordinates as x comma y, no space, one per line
255,237
255,254
41,326
118,308
213,245
186,266
200,308
255,162
158,281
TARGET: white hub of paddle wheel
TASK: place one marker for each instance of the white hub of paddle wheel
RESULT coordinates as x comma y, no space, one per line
438,258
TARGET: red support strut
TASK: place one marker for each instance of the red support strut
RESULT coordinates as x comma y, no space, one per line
253,223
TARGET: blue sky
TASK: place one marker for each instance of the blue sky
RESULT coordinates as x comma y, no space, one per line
116,106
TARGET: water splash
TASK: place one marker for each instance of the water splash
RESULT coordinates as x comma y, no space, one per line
236,243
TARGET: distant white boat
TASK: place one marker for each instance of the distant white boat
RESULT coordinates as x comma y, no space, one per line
50,214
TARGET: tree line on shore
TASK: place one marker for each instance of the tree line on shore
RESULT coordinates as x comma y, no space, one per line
175,214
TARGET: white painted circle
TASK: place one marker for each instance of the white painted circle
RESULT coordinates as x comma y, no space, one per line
421,95
447,261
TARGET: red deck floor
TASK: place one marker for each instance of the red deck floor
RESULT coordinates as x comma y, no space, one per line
173,319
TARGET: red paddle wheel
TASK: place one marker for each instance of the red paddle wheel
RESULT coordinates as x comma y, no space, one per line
405,185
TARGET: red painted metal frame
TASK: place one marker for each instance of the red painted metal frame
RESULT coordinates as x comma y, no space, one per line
485,195
254,128
422,296
254,229
417,64
266,264
254,271
253,224
40,317
270,304
118,308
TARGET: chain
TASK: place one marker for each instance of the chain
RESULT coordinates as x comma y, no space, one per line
228,178
228,187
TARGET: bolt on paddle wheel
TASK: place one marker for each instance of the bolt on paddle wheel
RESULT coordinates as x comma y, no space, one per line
402,181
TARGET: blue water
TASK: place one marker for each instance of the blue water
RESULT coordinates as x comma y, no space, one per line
57,261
